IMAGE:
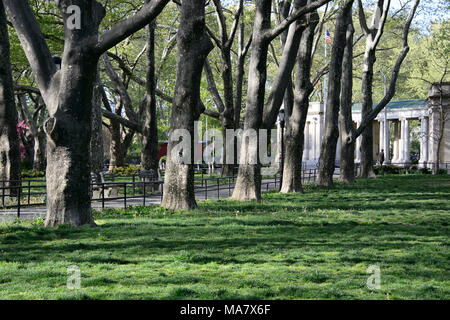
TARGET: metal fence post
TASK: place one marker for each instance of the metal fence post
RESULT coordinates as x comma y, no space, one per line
125,195
19,194
103,195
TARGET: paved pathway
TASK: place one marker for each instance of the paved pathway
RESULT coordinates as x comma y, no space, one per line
225,191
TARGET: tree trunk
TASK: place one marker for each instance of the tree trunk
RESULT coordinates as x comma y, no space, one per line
9,141
367,135
331,136
39,151
96,147
296,117
68,96
248,184
193,47
149,156
347,172
118,149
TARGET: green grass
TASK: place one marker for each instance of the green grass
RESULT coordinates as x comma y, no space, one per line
312,246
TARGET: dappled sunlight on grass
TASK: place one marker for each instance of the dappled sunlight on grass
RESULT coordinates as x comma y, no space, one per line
288,246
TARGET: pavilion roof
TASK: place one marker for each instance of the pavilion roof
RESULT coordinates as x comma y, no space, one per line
400,104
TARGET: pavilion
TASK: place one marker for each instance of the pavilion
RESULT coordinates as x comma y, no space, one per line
396,117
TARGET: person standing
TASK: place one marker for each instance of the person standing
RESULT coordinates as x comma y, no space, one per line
381,157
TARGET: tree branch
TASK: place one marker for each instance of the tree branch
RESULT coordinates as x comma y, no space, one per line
126,28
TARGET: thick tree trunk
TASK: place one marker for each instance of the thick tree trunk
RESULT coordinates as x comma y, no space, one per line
248,184
296,117
193,47
329,142
149,156
284,74
9,141
119,145
367,135
347,172
96,147
68,96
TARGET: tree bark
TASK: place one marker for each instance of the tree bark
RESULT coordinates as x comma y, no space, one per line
68,96
287,63
149,156
296,117
9,141
193,47
368,113
248,184
331,136
347,172
96,147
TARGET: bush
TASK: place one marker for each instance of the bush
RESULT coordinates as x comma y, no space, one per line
126,171
425,171
30,174
387,169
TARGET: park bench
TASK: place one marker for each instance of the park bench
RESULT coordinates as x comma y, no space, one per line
97,186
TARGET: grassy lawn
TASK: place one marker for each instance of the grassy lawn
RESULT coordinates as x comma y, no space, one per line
312,246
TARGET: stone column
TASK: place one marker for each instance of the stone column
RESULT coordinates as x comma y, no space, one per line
278,157
423,141
396,142
433,134
381,136
316,138
387,147
406,142
358,146
306,148
401,144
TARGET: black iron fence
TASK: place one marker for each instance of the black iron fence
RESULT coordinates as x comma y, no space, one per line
32,193
16,195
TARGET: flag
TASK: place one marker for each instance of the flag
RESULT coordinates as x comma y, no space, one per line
328,37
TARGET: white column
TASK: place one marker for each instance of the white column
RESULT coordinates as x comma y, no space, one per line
423,141
316,140
306,148
358,146
401,149
433,133
278,157
387,149
406,142
381,136
396,142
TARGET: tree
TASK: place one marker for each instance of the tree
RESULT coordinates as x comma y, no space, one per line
248,184
226,106
373,35
9,141
296,116
347,172
194,46
35,123
149,154
331,136
68,94
431,67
